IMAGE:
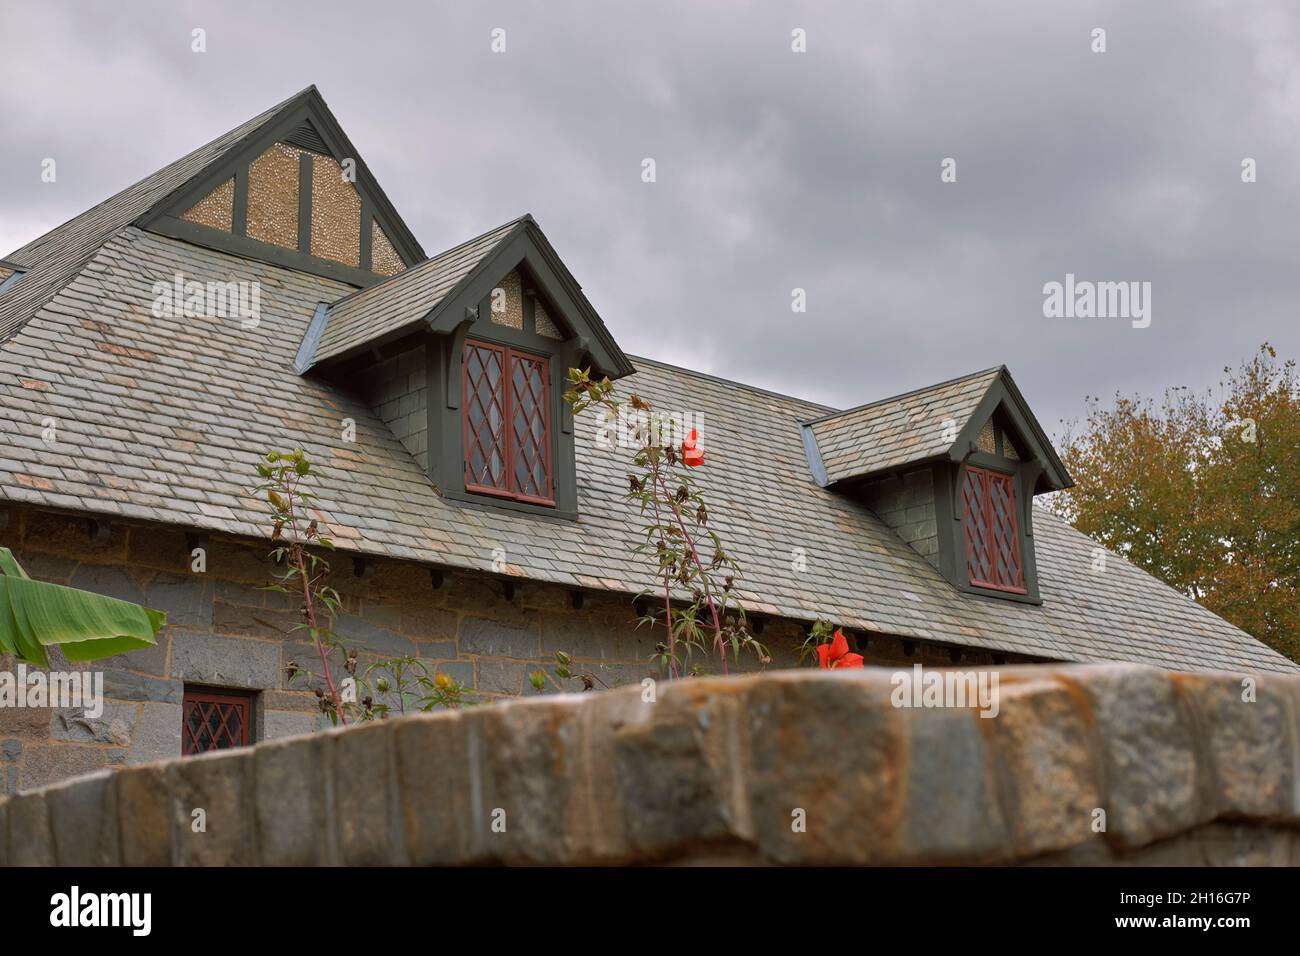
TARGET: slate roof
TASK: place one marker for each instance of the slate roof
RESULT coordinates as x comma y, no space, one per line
898,431
164,420
400,302
54,258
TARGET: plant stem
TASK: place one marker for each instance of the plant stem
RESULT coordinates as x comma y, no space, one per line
708,587
309,603
668,590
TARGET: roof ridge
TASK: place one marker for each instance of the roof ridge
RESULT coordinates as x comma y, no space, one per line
757,389
58,255
908,394
180,159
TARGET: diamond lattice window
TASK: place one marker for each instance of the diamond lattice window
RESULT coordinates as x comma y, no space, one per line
992,532
507,423
215,720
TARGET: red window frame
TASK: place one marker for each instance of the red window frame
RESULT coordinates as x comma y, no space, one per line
508,396
221,705
989,515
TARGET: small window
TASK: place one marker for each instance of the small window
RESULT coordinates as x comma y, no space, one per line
215,720
992,532
507,423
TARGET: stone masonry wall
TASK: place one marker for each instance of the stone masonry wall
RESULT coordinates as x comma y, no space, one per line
906,504
794,767
225,632
396,389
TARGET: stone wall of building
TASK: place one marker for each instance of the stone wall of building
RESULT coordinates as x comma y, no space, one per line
906,504
225,632
396,388
1113,763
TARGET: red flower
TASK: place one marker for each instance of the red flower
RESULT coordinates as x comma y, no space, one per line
836,653
692,456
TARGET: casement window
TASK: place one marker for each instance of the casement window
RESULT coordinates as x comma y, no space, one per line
507,423
215,720
992,532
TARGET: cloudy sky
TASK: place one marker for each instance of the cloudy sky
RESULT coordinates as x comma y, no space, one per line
775,170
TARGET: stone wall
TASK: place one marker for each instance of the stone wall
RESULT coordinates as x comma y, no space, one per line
396,388
796,767
486,632
906,504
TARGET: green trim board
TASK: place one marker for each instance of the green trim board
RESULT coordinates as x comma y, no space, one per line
247,248
1003,397
307,109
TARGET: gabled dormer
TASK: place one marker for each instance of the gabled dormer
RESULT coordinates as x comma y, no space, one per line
292,191
953,469
465,357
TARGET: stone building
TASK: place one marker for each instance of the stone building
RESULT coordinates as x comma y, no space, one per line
263,293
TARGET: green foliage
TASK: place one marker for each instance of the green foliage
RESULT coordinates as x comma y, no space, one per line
564,671
822,632
1202,491
382,687
35,615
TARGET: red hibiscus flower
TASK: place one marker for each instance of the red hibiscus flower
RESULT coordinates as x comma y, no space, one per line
692,456
836,653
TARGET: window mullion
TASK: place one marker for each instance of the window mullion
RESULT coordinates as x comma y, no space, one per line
991,528
507,380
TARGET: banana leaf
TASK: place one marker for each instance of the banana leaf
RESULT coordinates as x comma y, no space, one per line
35,615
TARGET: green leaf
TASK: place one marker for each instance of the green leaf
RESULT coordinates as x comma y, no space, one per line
35,615
9,564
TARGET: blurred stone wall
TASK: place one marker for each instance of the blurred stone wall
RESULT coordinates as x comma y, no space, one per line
1108,763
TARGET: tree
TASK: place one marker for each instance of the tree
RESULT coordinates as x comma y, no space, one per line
1202,490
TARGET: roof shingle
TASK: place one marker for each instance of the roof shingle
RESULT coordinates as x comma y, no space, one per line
403,300
164,421
898,431
55,258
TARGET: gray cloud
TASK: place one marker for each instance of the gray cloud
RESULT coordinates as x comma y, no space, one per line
775,170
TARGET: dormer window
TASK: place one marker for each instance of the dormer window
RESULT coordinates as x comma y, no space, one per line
953,469
992,531
464,357
507,423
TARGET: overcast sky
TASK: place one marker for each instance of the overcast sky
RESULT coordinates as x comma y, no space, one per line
775,170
